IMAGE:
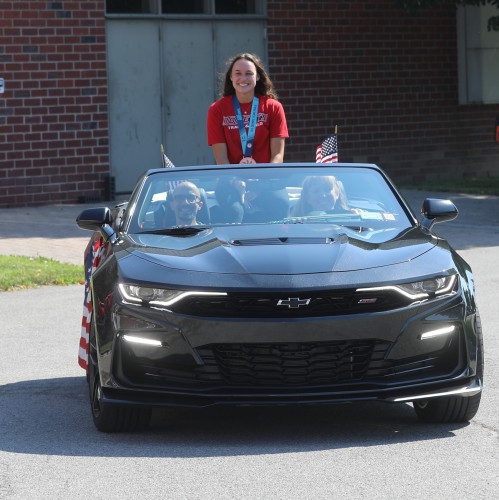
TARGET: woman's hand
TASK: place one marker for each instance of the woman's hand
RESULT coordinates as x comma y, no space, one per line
247,160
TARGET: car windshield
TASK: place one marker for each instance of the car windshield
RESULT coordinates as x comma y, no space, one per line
183,201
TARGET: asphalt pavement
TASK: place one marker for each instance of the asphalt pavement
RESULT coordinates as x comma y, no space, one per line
46,427
51,230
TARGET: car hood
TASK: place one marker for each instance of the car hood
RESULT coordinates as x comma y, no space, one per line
280,249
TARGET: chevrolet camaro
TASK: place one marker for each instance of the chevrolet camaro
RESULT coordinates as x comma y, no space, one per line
275,285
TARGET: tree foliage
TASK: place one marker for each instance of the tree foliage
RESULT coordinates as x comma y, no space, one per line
415,6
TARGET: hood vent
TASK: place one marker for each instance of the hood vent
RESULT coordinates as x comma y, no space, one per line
281,241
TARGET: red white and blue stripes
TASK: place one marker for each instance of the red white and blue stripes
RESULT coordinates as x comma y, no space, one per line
92,261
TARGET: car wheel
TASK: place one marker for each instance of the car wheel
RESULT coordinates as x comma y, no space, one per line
454,408
108,417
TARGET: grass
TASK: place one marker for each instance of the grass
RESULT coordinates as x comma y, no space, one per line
18,273
486,185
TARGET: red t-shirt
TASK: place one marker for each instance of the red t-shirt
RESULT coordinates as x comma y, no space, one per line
222,127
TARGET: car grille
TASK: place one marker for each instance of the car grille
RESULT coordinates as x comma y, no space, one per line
308,366
265,305
292,364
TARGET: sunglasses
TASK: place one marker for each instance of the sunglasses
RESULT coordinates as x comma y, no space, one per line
188,198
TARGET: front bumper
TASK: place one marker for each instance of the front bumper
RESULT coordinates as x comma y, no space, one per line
201,361
460,387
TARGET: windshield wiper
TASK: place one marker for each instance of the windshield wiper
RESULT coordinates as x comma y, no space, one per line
323,218
178,230
359,229
337,219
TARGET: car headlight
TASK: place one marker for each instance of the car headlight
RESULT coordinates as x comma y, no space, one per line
420,289
436,286
160,297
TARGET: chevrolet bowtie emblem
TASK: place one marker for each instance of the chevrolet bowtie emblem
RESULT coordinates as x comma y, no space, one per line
293,302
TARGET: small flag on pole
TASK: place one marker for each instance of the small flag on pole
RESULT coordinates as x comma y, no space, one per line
327,152
165,161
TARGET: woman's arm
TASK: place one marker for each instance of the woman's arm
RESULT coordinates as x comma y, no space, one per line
220,153
277,149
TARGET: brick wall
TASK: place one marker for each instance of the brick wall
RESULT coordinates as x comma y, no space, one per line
53,114
389,81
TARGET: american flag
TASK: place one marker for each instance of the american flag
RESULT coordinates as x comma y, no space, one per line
93,259
318,154
165,161
327,152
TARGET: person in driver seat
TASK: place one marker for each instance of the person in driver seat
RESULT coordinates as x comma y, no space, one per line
321,194
186,203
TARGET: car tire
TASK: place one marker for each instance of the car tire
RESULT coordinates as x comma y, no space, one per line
110,417
454,408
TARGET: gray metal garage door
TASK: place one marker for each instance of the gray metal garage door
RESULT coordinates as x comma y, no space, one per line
163,75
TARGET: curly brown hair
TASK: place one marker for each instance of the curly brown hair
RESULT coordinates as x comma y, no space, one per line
264,85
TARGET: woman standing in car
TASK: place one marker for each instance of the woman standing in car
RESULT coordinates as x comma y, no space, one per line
248,124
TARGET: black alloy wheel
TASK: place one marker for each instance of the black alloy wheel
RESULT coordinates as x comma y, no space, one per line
109,417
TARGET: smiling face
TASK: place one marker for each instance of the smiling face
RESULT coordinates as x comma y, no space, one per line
186,203
244,77
322,194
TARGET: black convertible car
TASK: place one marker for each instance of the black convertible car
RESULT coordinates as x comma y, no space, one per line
264,284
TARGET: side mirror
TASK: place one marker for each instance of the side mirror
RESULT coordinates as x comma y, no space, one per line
96,219
436,210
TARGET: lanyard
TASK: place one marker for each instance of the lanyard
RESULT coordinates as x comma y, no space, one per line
247,139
